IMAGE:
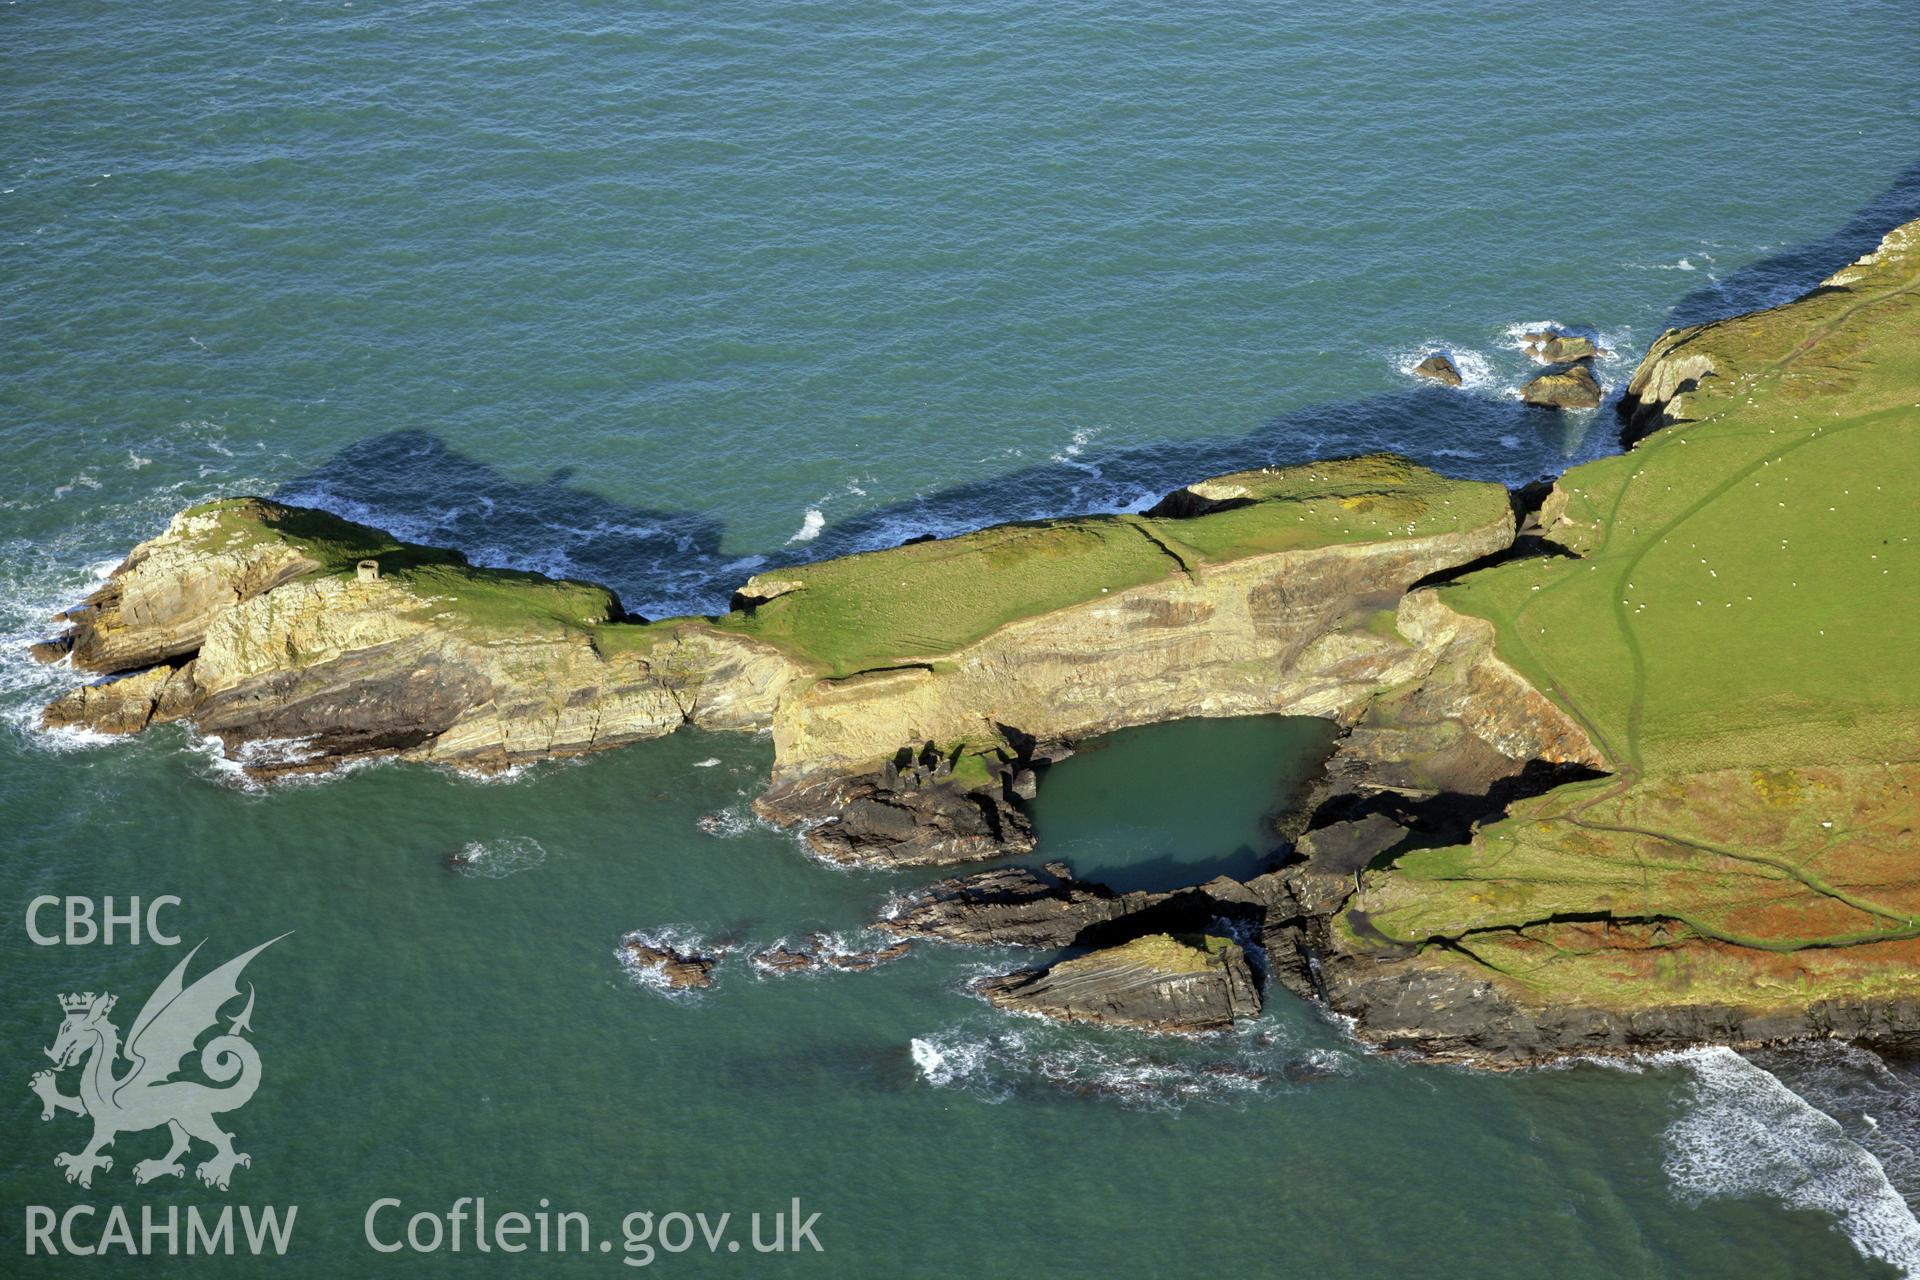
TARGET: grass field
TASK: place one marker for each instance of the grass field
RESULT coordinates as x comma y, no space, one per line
927,600
489,599
1741,636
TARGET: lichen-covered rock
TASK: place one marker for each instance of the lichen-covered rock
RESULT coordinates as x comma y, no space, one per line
1158,982
159,602
1573,387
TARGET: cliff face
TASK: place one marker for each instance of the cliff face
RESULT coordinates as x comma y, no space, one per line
1269,591
1297,632
1736,636
266,635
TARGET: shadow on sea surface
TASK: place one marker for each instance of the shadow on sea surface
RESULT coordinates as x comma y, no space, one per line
413,484
1785,275
416,486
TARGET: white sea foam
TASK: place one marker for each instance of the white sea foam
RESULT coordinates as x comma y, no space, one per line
1876,1103
1745,1133
498,859
810,526
828,947
993,1059
708,763
947,1062
1071,454
731,822
1476,370
682,939
1081,439
1516,334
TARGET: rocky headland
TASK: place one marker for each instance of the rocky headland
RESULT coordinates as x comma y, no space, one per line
1627,760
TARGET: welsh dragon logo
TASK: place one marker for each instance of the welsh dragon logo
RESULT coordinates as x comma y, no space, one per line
146,1095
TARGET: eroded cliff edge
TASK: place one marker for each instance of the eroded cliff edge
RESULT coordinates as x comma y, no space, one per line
1654,788
1737,634
911,694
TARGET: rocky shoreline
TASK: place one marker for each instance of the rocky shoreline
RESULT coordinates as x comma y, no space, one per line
1502,862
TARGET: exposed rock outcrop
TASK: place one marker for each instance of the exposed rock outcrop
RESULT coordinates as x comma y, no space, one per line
1568,387
818,952
1262,591
1005,906
911,813
248,618
1439,368
1019,907
1158,982
1455,1013
1556,346
675,969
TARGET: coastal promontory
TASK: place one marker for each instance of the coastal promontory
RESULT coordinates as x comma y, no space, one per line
1627,760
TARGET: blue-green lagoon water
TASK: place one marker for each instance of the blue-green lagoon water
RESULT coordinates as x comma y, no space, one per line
657,297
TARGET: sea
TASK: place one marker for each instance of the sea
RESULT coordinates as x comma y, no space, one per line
661,295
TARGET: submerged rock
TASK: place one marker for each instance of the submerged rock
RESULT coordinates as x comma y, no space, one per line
1573,387
820,951
1159,982
1438,367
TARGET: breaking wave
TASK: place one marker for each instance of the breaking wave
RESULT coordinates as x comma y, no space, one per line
1476,371
682,939
1744,1133
498,859
810,526
995,1061
836,952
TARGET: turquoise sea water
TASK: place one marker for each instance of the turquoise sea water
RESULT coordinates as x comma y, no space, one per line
657,296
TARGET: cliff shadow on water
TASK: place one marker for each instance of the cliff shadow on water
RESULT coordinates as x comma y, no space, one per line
418,486
1787,273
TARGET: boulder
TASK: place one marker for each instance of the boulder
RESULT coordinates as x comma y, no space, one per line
1573,387
1160,982
1554,347
1438,367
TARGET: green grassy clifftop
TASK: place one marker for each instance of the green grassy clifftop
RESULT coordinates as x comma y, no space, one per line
1739,638
932,599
